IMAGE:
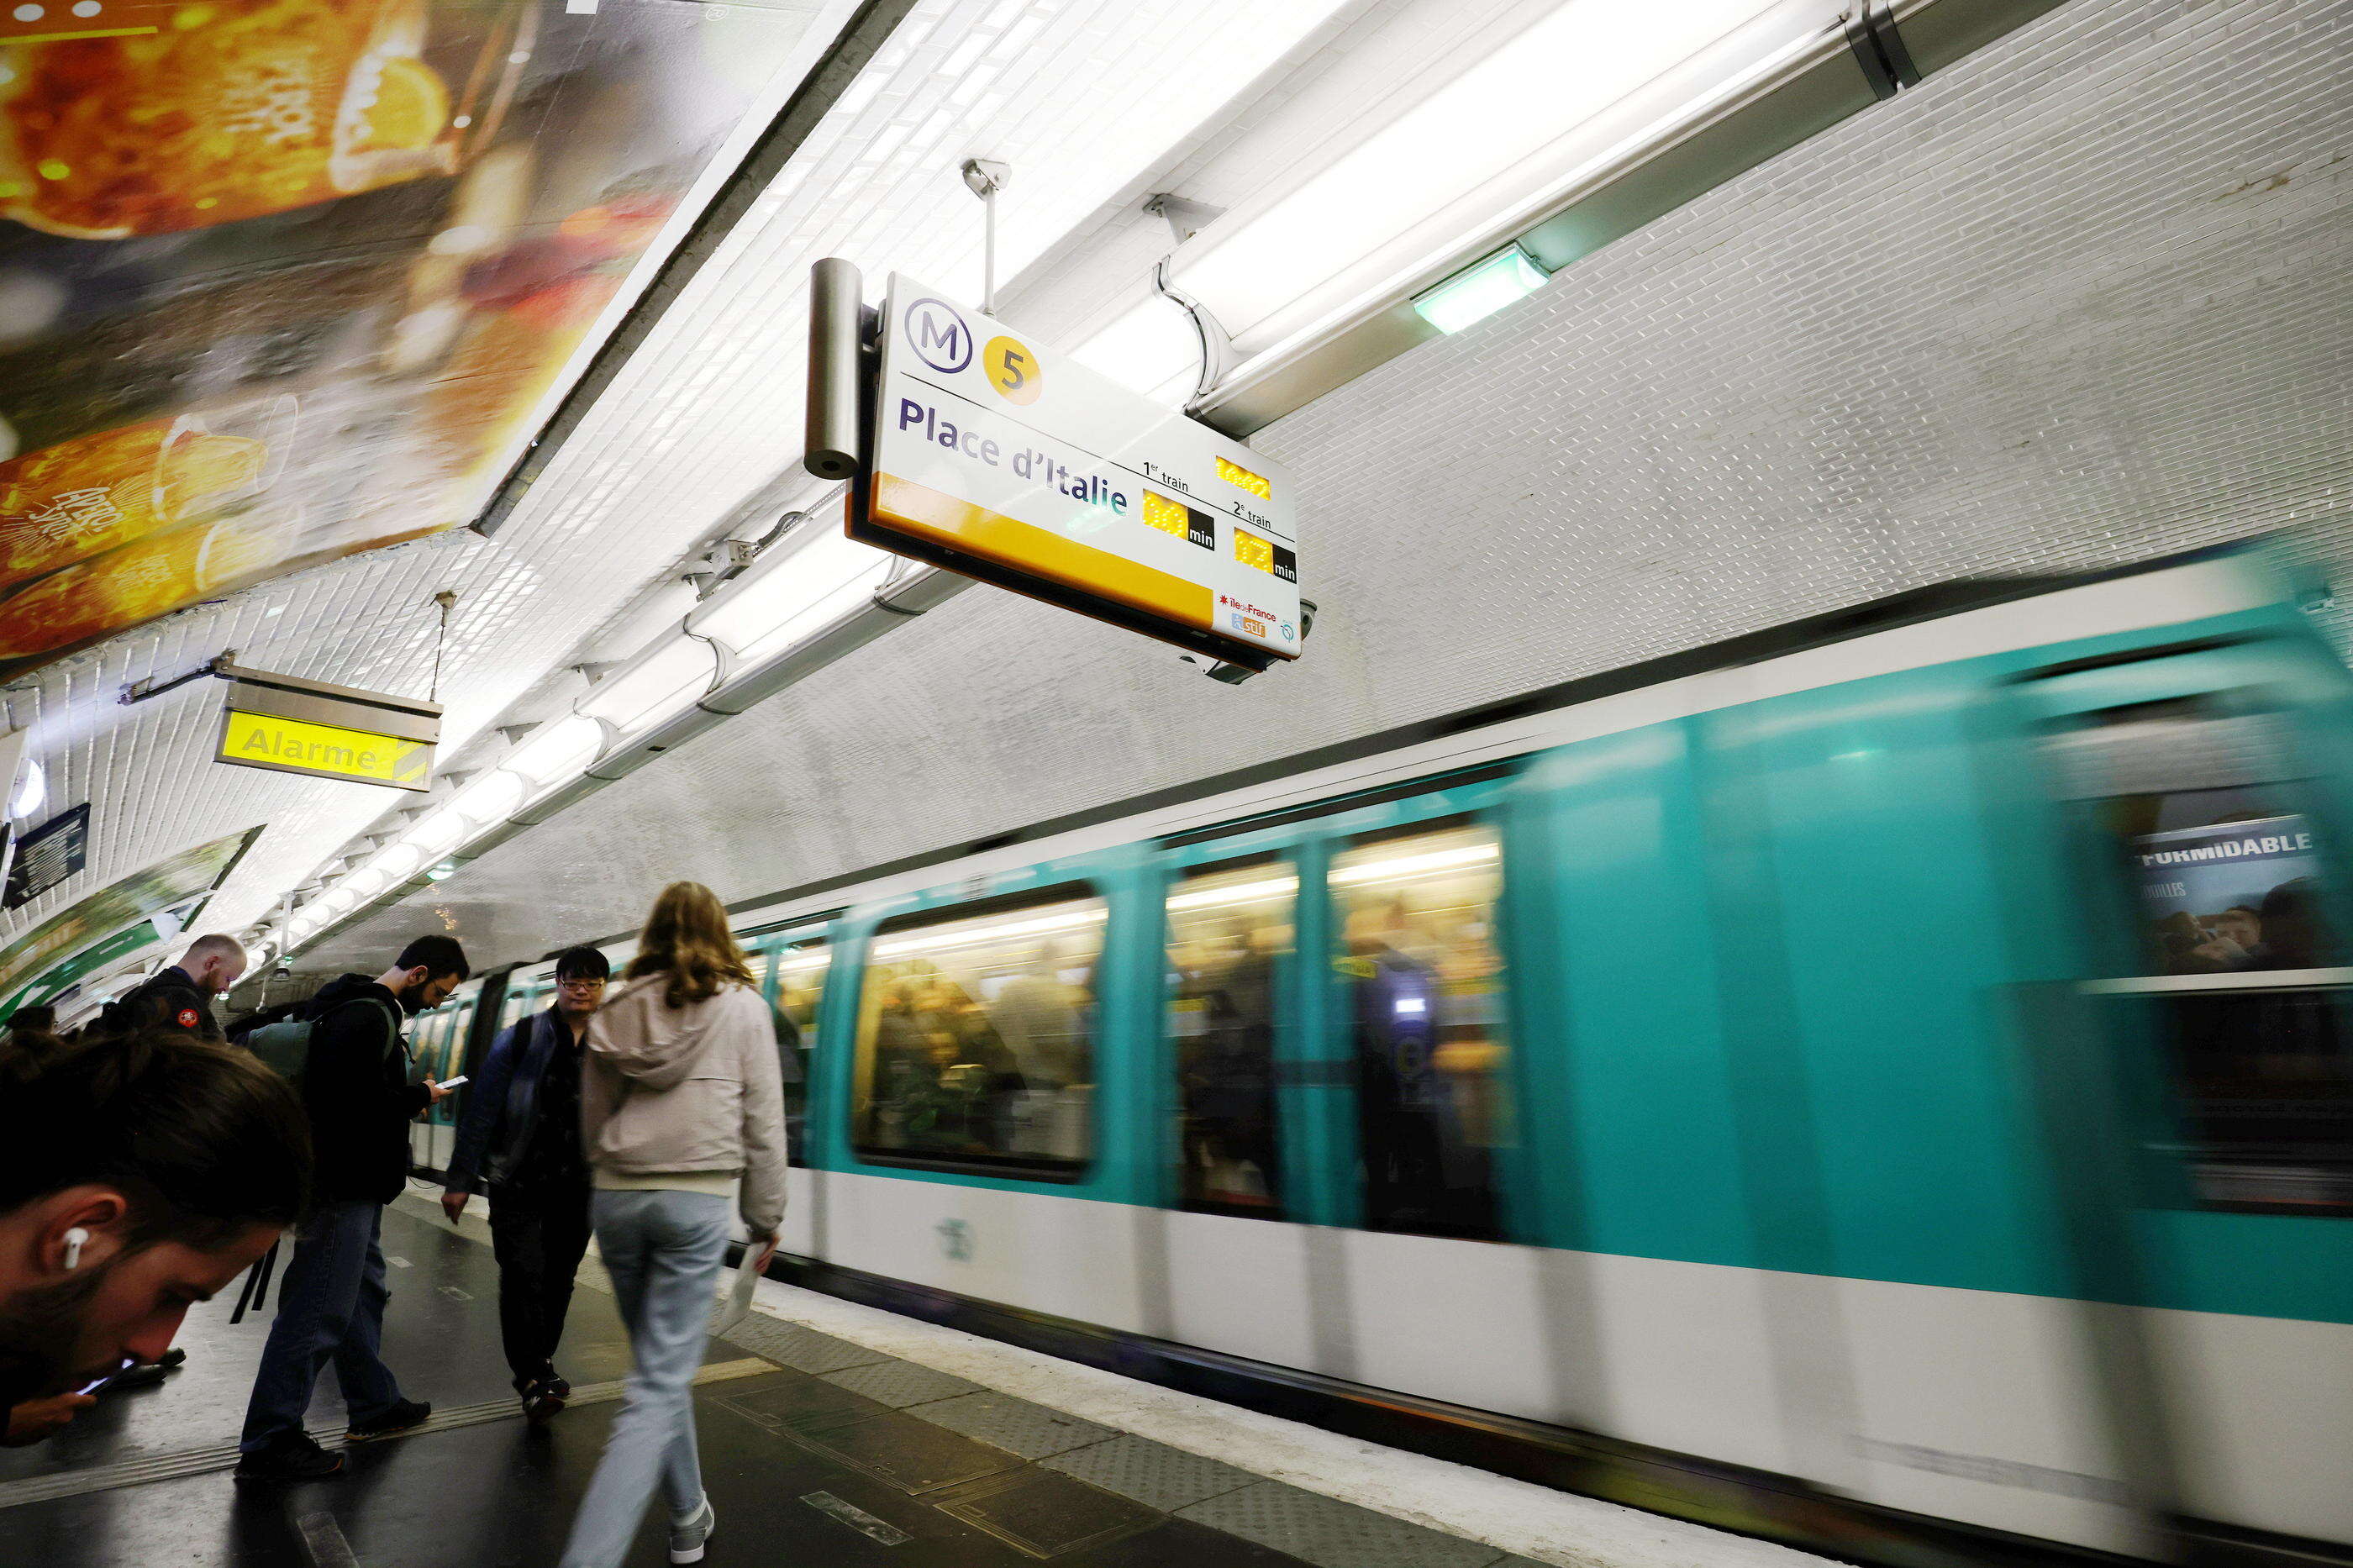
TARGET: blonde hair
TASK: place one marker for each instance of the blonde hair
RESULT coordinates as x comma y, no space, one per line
686,938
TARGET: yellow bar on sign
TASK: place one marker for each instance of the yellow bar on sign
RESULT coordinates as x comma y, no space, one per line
328,751
991,535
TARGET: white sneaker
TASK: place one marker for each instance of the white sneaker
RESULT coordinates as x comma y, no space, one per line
686,1540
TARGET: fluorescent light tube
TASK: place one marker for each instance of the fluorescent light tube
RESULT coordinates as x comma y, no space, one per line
1480,289
651,687
561,748
789,592
1575,92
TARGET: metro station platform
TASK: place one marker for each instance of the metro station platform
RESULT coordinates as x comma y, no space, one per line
818,1450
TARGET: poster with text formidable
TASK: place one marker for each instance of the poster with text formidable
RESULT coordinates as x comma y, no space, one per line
167,883
281,280
2234,896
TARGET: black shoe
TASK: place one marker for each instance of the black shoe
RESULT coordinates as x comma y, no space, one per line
540,1403
407,1415
295,1460
557,1386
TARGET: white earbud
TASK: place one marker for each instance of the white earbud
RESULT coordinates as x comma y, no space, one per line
76,1239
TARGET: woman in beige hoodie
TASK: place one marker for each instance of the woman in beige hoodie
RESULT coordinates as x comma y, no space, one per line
682,1107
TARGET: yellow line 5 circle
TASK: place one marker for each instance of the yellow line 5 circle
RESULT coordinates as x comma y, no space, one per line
1013,369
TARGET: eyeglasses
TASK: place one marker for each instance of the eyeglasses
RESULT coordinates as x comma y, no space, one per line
582,984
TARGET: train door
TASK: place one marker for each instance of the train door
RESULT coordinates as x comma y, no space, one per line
2199,1071
425,1037
793,968
1334,1061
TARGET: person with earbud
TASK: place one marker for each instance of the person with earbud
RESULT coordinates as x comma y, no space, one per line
138,1177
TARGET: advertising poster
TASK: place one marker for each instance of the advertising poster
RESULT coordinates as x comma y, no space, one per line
160,887
57,849
2234,896
63,978
282,280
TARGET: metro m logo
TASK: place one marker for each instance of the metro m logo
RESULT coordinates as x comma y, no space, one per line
938,335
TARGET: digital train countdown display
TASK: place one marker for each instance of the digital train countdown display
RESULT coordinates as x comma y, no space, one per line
996,456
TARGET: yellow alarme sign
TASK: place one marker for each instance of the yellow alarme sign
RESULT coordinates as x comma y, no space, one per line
295,746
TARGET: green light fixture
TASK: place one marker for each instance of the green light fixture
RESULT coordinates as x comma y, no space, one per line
1480,289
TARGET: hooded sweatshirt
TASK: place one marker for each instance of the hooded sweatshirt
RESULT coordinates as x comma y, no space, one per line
693,1092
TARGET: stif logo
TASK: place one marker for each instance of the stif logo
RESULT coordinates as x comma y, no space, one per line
938,335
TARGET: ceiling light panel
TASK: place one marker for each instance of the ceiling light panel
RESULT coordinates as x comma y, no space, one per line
1511,129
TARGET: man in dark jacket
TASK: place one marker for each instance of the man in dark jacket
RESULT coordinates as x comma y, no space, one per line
356,1091
180,998
519,1137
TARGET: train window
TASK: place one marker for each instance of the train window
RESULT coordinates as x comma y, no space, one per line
799,968
975,1035
2238,953
1229,933
1420,960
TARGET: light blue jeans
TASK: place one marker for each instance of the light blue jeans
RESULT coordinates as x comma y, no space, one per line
663,1251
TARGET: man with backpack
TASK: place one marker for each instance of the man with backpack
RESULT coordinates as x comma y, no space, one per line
353,1063
181,996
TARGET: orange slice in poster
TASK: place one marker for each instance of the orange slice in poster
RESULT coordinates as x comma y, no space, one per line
411,108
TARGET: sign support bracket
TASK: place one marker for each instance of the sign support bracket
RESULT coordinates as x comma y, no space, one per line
155,685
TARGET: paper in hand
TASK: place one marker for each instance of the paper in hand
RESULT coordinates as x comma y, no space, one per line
735,1304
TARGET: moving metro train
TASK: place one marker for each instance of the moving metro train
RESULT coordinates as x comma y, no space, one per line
1876,1084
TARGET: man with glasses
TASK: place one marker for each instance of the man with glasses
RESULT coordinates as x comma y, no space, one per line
519,1135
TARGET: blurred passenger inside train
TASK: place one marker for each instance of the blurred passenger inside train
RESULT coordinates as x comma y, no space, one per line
949,1081
1426,973
1225,1063
683,1110
354,1066
519,1141
180,995
138,1175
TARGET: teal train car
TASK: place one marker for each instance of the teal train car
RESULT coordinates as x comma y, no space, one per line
1878,1084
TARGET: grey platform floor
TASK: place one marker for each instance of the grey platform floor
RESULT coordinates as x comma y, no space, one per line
815,1452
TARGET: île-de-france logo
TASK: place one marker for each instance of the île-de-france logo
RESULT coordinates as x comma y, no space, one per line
938,335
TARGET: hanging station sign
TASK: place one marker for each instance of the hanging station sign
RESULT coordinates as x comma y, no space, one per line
292,726
992,455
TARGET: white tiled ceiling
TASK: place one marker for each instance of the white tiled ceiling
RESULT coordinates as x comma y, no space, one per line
2076,300
1078,95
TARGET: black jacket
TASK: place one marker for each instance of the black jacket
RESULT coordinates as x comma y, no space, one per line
502,1120
169,1000
357,1092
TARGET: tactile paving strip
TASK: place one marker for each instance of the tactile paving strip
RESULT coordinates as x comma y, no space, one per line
1333,1534
803,1350
1154,1474
223,1455
898,1384
1014,1424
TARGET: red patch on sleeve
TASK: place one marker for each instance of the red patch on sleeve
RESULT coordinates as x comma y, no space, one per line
188,1018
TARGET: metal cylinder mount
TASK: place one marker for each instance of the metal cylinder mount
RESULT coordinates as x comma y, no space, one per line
830,447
